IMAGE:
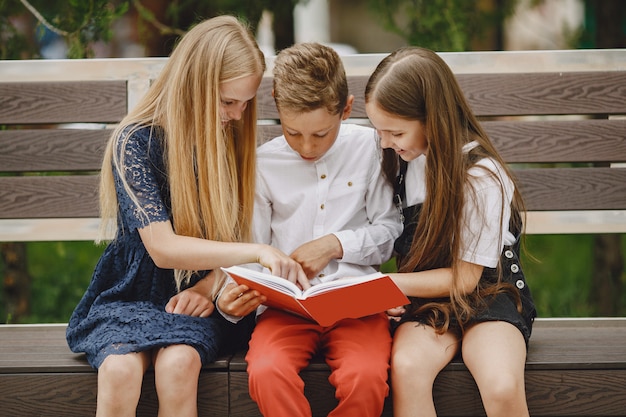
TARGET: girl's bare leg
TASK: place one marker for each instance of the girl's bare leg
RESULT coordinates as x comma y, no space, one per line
176,372
495,354
119,384
418,355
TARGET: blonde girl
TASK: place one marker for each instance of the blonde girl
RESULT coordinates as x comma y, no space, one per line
177,189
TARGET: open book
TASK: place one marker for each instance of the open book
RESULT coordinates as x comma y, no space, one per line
328,302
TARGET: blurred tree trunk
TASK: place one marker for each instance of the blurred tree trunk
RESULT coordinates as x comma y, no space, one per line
606,287
16,282
283,24
606,290
610,18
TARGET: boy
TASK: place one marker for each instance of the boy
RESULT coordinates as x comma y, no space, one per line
320,197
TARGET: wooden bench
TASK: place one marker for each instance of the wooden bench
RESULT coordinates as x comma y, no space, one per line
544,110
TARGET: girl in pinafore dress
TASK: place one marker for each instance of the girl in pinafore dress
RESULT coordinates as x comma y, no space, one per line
178,187
459,252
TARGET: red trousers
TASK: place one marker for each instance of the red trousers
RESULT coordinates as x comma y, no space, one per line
357,351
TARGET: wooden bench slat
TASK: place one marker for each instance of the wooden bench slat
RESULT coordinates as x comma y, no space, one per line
546,93
519,142
60,196
542,141
43,349
74,395
52,149
559,141
573,188
543,189
62,102
509,94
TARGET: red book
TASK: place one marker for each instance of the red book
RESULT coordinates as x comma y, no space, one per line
328,302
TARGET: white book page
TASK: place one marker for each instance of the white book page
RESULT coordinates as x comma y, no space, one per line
340,283
278,283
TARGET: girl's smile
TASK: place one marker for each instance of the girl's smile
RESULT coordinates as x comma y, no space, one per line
406,137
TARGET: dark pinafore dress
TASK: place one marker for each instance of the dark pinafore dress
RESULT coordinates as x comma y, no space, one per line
501,307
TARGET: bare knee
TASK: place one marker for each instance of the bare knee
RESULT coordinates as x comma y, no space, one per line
119,384
121,370
176,363
502,389
404,362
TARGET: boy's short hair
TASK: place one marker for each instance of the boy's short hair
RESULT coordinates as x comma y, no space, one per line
309,76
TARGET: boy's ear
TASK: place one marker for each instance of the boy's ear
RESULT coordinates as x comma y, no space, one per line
348,109
272,93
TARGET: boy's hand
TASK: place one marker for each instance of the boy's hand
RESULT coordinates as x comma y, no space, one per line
316,254
192,301
395,313
283,266
239,300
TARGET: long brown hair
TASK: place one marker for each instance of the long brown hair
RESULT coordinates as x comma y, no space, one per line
416,84
211,170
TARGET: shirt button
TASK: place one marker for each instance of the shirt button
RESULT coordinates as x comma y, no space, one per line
322,207
349,183
323,176
508,254
514,268
520,284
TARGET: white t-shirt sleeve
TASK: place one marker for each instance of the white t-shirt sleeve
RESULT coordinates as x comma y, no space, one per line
486,214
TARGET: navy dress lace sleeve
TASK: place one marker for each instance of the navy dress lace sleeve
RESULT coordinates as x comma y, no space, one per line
123,309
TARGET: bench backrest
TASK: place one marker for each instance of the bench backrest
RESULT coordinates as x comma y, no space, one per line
558,116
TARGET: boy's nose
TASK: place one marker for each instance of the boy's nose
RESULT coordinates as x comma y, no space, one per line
307,147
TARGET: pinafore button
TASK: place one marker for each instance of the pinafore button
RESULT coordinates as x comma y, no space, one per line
514,268
519,284
508,254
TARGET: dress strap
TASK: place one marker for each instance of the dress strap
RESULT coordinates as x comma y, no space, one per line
400,187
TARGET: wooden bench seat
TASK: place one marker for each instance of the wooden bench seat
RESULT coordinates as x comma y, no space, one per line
558,117
575,368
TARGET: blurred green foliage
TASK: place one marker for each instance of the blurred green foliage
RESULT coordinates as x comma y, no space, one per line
560,278
442,25
559,270
60,274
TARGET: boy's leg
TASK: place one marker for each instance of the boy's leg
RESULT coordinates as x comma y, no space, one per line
358,351
281,345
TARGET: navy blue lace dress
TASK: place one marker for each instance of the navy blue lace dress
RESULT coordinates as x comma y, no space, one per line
123,309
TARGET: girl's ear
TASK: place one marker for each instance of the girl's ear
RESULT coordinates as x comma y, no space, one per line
348,109
272,93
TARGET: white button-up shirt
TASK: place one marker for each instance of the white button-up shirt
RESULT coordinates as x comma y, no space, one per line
343,193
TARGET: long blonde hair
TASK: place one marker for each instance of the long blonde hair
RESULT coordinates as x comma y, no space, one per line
210,169
416,84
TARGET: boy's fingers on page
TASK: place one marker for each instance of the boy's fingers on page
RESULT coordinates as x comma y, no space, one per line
304,282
